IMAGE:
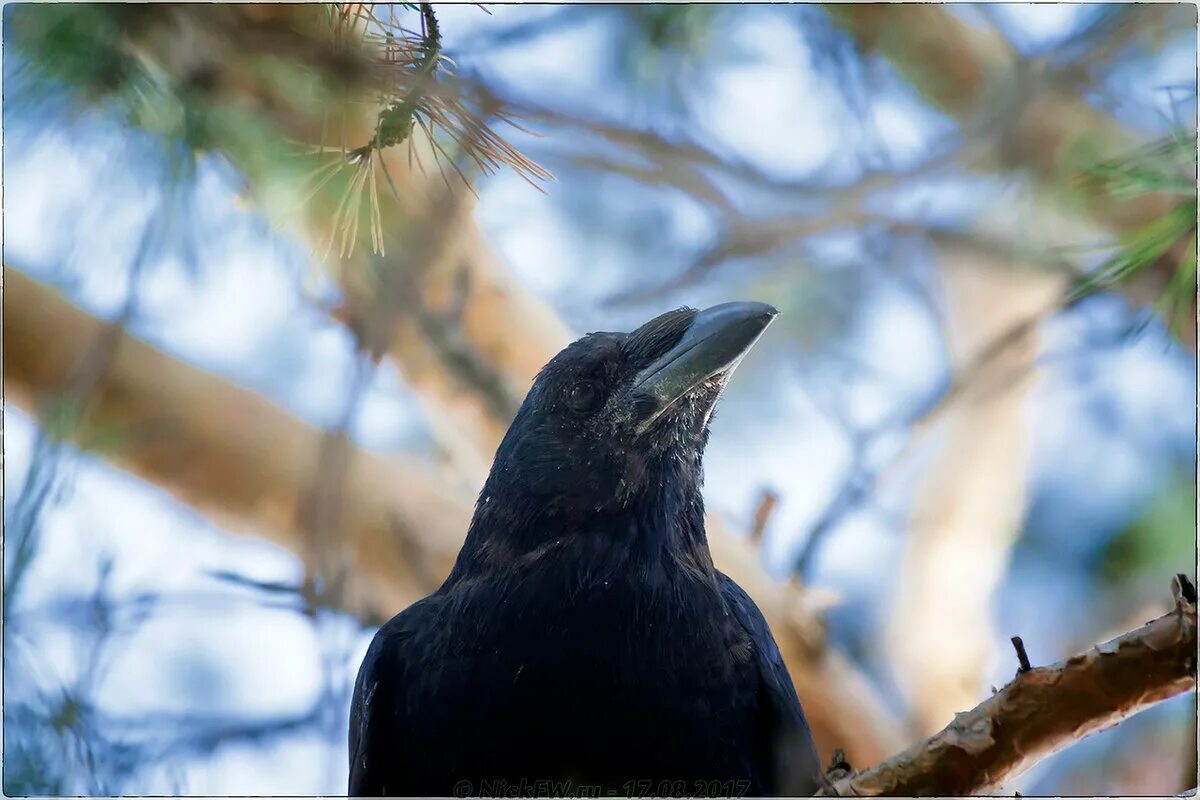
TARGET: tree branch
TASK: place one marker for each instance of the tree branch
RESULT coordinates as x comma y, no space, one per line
225,450
1086,58
246,463
467,338
1042,711
967,510
1044,125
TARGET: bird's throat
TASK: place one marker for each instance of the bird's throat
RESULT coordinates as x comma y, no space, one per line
658,528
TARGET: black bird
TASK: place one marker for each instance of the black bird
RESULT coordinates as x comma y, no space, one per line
584,643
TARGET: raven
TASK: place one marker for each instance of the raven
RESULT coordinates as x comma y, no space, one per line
584,643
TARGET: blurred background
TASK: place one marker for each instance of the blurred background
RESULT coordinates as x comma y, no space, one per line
277,276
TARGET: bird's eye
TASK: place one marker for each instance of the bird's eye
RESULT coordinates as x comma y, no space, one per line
583,396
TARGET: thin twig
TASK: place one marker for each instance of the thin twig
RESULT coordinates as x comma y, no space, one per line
1022,656
767,502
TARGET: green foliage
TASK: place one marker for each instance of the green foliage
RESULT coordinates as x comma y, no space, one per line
306,79
397,119
676,27
1165,167
78,45
664,41
85,50
1159,540
1143,246
89,51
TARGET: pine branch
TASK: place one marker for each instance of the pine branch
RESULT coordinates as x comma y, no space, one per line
1044,710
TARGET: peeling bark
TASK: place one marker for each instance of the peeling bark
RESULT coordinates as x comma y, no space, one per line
1042,711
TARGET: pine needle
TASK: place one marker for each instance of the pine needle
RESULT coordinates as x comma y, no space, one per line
413,98
376,216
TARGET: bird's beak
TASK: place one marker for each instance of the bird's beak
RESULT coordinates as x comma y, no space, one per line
712,346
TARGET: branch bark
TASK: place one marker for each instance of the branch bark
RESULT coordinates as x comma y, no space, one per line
1041,712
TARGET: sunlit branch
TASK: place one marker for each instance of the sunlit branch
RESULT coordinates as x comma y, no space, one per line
1044,710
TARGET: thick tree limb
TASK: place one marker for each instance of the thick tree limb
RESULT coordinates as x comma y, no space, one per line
1042,711
467,338
225,450
247,464
968,508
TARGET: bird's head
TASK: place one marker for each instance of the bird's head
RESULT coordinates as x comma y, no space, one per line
616,417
